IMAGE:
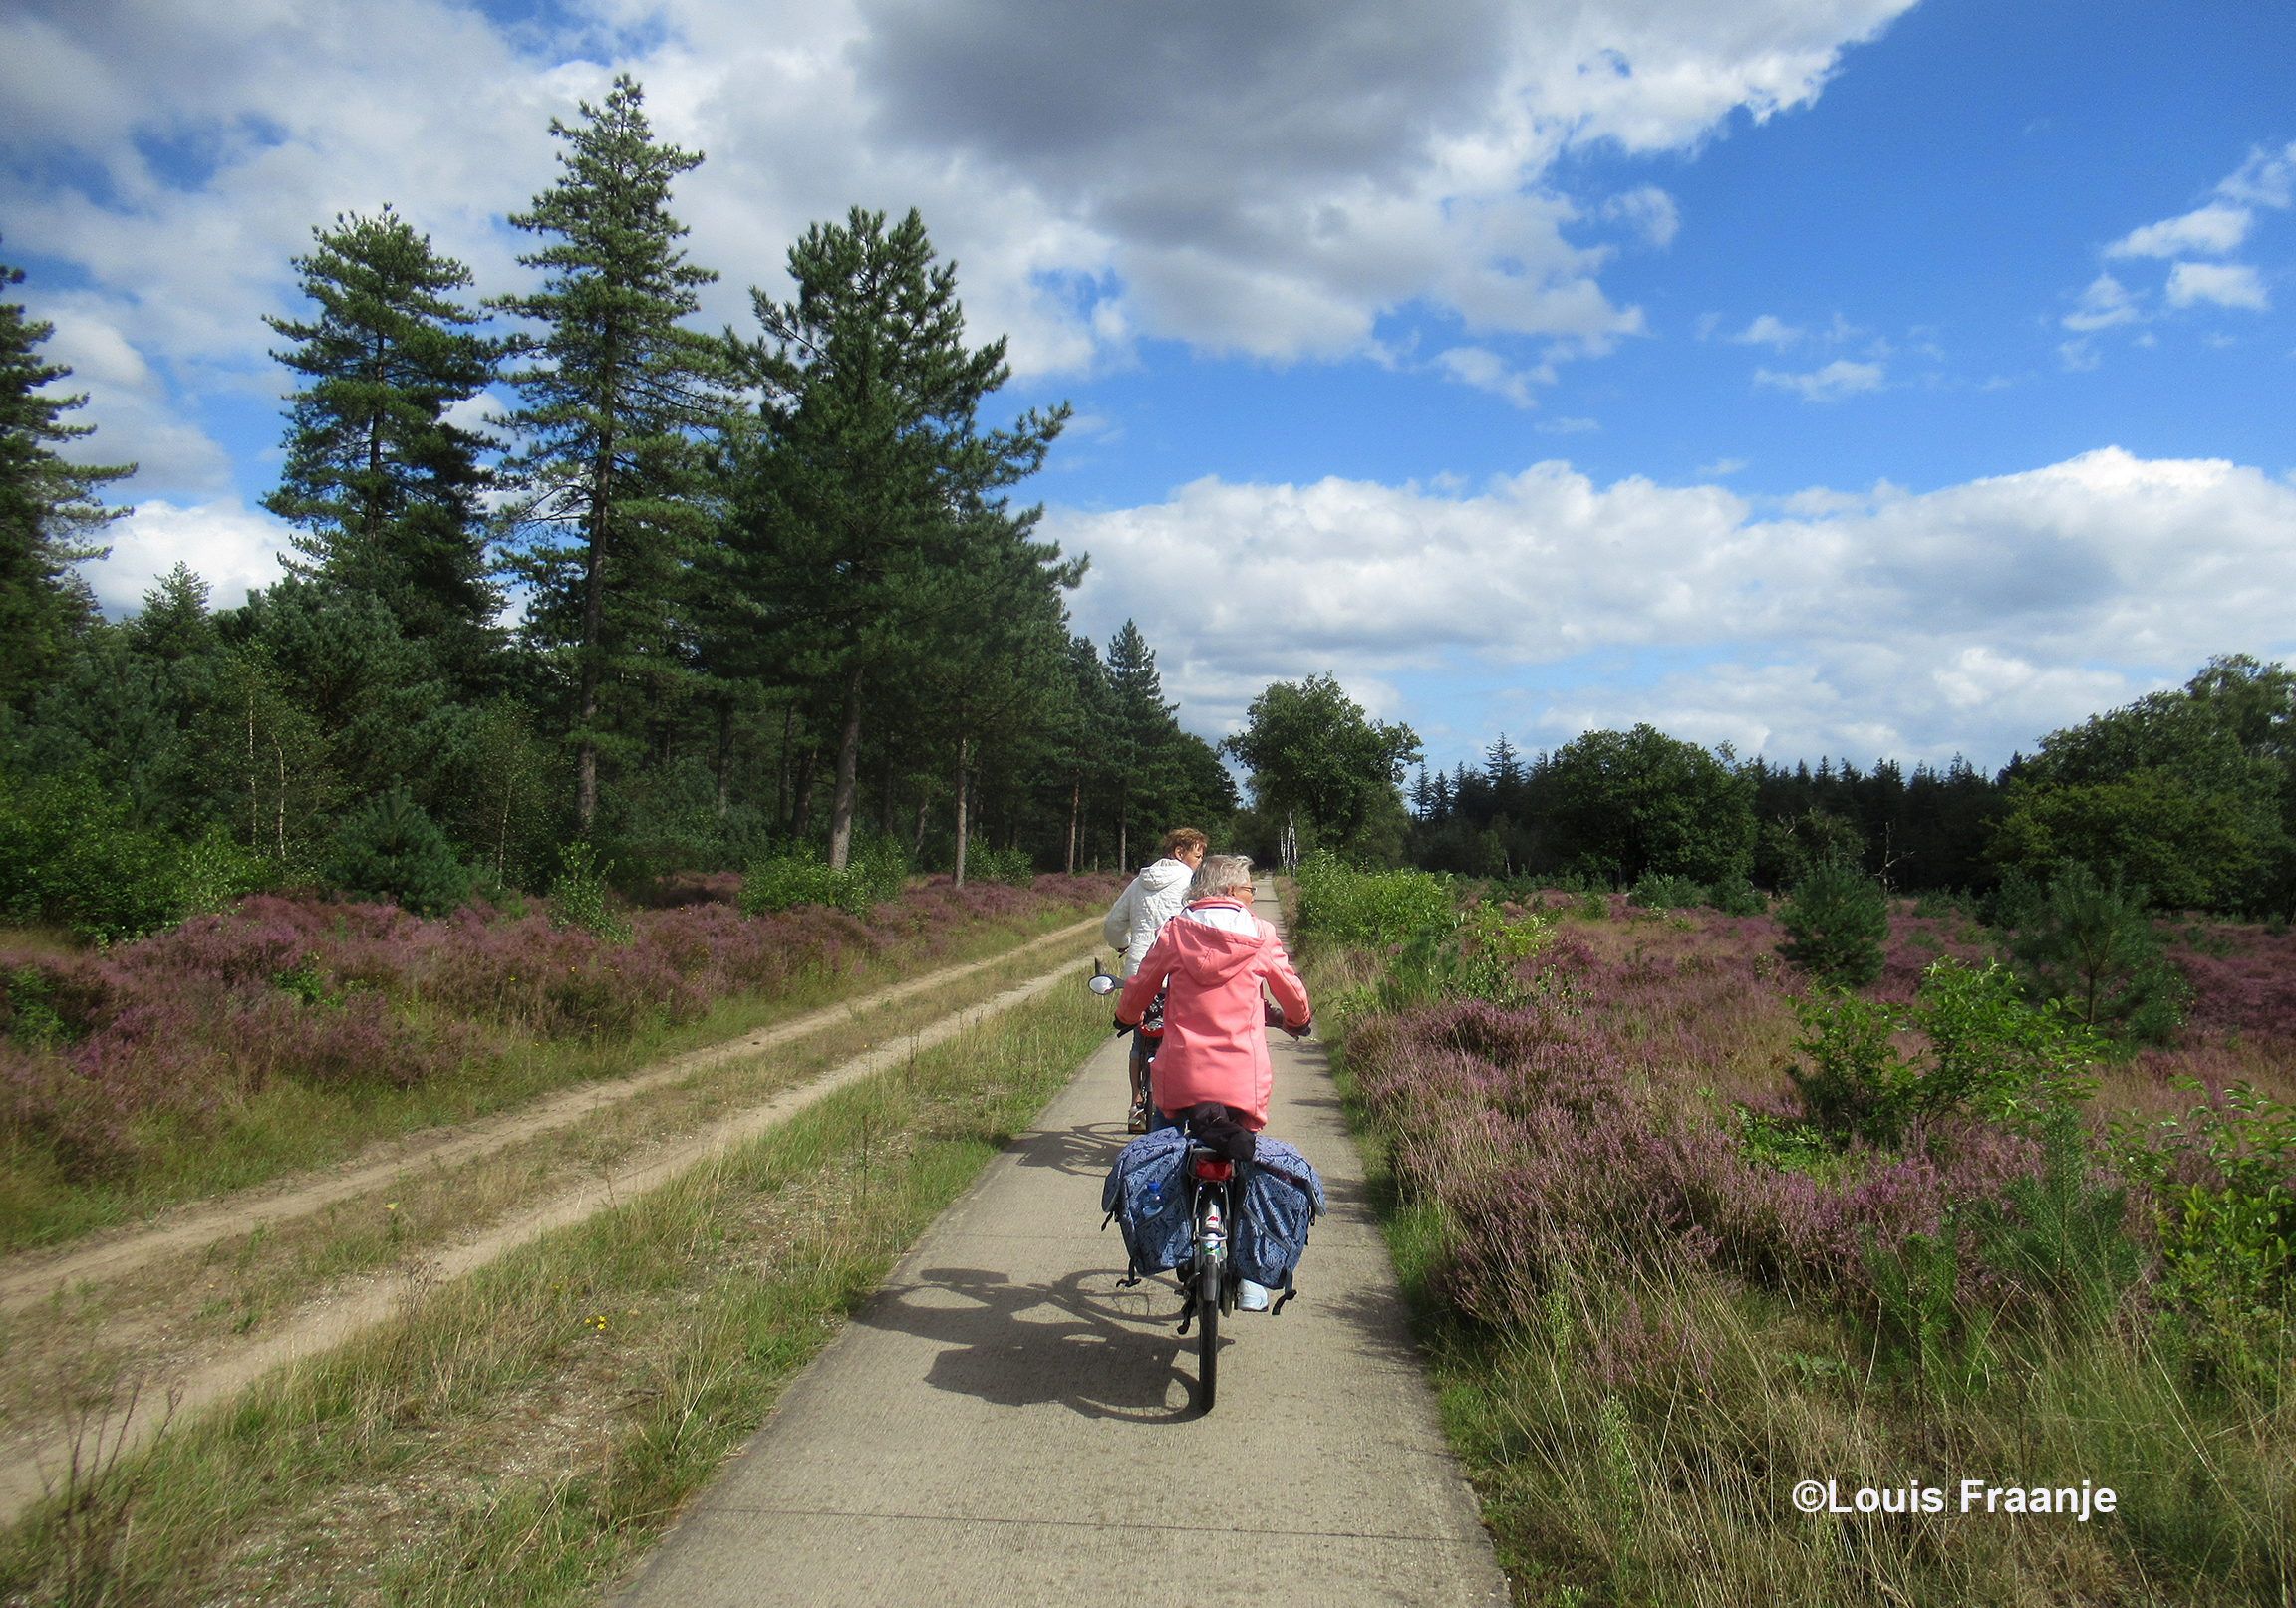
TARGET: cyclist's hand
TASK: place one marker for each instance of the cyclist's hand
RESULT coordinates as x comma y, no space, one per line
1123,1026
1301,1032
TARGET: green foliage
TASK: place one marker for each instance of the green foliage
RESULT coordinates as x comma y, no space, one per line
48,509
2059,1235
1791,846
385,489
70,853
1313,754
1640,801
1834,924
609,471
1369,910
1656,892
2089,945
391,849
1475,955
578,895
2229,1236
1986,1054
1918,1324
876,871
1012,866
1736,895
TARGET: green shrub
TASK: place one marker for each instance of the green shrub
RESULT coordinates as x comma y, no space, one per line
1736,895
876,870
1835,923
70,853
390,848
1013,866
1477,955
2057,1235
1654,892
2228,1240
2089,943
578,895
1988,1054
1372,910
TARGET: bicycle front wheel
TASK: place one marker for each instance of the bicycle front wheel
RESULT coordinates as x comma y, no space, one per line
1207,1335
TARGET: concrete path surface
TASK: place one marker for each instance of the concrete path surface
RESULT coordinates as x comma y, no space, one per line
1002,1424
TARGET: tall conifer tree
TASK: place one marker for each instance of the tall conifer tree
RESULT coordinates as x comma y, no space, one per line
48,508
385,489
869,479
611,475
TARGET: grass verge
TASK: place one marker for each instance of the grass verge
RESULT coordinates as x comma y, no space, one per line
292,1125
522,1437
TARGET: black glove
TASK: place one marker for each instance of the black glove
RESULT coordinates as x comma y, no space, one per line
1301,1032
1123,1026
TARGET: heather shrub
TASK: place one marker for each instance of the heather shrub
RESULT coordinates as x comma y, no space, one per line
1834,924
391,849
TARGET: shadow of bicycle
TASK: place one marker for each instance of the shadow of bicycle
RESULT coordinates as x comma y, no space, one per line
1083,1343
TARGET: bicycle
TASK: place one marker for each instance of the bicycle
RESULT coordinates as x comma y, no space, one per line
1210,1279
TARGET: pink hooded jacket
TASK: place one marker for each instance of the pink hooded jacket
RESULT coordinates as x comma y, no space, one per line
1214,1035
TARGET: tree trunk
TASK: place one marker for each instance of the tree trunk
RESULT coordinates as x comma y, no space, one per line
803,818
1075,798
725,754
782,772
848,756
593,627
961,812
923,806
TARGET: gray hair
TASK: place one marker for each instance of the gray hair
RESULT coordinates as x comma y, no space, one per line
1218,873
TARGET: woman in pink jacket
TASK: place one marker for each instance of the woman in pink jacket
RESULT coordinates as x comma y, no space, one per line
1217,953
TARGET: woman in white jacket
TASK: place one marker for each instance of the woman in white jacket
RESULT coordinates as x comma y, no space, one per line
1131,925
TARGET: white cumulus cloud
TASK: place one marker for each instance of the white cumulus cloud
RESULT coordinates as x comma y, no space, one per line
1974,617
2225,283
234,549
1837,379
2209,232
1769,329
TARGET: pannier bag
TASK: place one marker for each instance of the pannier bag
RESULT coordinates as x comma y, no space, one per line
1282,1196
1145,1197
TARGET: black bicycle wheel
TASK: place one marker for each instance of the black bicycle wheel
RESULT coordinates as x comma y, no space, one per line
1208,1335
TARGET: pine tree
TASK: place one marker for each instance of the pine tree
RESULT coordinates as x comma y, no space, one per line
1141,726
48,509
615,413
868,480
388,492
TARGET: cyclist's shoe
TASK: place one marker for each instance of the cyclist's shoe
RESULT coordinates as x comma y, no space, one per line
1250,1297
1137,1121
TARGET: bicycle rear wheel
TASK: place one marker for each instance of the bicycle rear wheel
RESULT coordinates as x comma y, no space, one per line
1207,1334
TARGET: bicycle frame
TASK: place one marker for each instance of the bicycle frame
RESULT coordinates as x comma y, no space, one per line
1209,1280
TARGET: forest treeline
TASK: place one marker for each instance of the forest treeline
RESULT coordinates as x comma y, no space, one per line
691,600
2188,794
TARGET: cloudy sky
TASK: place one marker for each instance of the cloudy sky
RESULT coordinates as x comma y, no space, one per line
1823,376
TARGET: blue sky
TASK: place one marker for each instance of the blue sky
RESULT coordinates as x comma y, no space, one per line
1823,376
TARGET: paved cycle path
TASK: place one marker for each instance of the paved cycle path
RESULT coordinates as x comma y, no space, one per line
1003,1424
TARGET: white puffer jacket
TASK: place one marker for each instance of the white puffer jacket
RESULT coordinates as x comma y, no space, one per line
1155,897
